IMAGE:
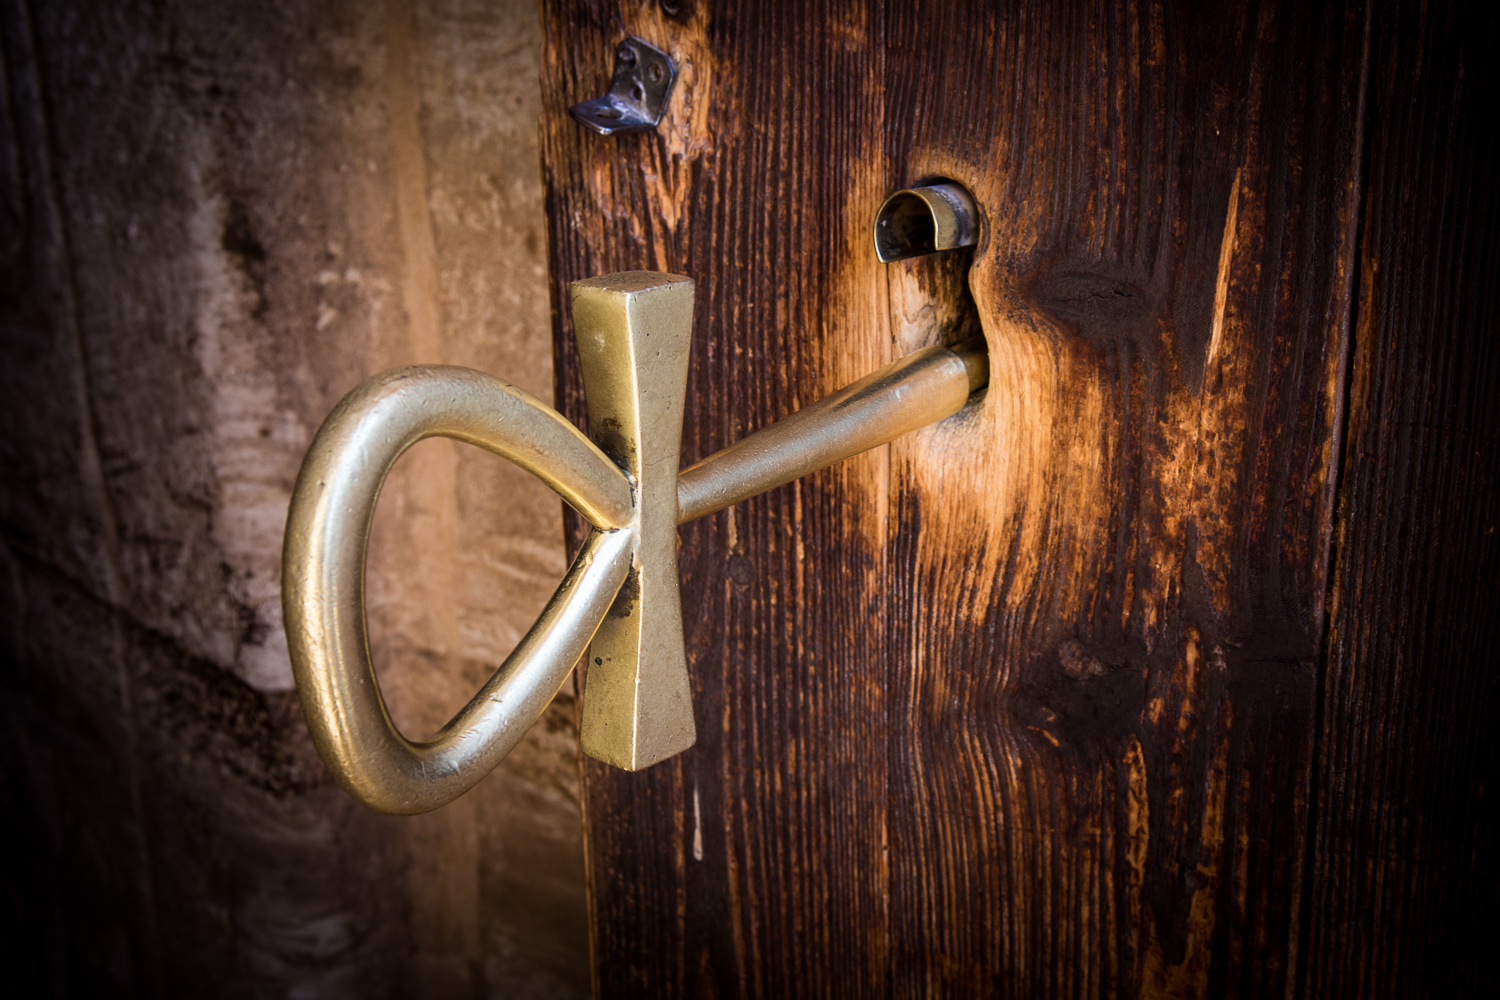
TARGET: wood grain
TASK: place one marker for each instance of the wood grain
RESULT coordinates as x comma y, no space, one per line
216,219
1028,703
1403,868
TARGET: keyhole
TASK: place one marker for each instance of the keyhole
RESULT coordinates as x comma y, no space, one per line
923,220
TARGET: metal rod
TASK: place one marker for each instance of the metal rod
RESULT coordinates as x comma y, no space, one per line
919,389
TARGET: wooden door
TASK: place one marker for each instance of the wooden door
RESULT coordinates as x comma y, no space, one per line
1163,669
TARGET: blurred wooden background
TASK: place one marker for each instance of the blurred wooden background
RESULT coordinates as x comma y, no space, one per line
215,220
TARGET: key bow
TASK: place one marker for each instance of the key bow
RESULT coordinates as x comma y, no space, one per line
634,333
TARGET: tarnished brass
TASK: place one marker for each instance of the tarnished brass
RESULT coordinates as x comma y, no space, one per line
620,596
925,220
323,579
634,331
921,388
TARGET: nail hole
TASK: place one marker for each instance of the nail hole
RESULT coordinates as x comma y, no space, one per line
638,92
654,72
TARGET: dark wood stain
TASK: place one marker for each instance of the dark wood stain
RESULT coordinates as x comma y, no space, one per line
1080,693
1403,871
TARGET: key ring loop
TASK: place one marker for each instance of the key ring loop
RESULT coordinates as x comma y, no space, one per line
323,578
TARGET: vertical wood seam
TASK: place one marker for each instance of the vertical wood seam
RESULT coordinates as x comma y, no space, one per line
1356,287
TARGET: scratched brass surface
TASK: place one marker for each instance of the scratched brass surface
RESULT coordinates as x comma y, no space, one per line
924,387
323,579
634,331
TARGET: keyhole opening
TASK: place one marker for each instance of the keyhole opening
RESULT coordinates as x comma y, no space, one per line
925,220
904,228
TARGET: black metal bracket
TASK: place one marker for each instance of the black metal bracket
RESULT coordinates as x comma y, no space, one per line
638,92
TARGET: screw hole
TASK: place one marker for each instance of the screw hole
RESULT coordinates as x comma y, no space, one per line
638,92
654,72
607,113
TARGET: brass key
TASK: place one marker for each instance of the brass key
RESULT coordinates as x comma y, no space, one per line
619,598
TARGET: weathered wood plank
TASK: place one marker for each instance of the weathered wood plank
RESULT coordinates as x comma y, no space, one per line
1403,864
215,220
1024,705
1116,600
787,786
